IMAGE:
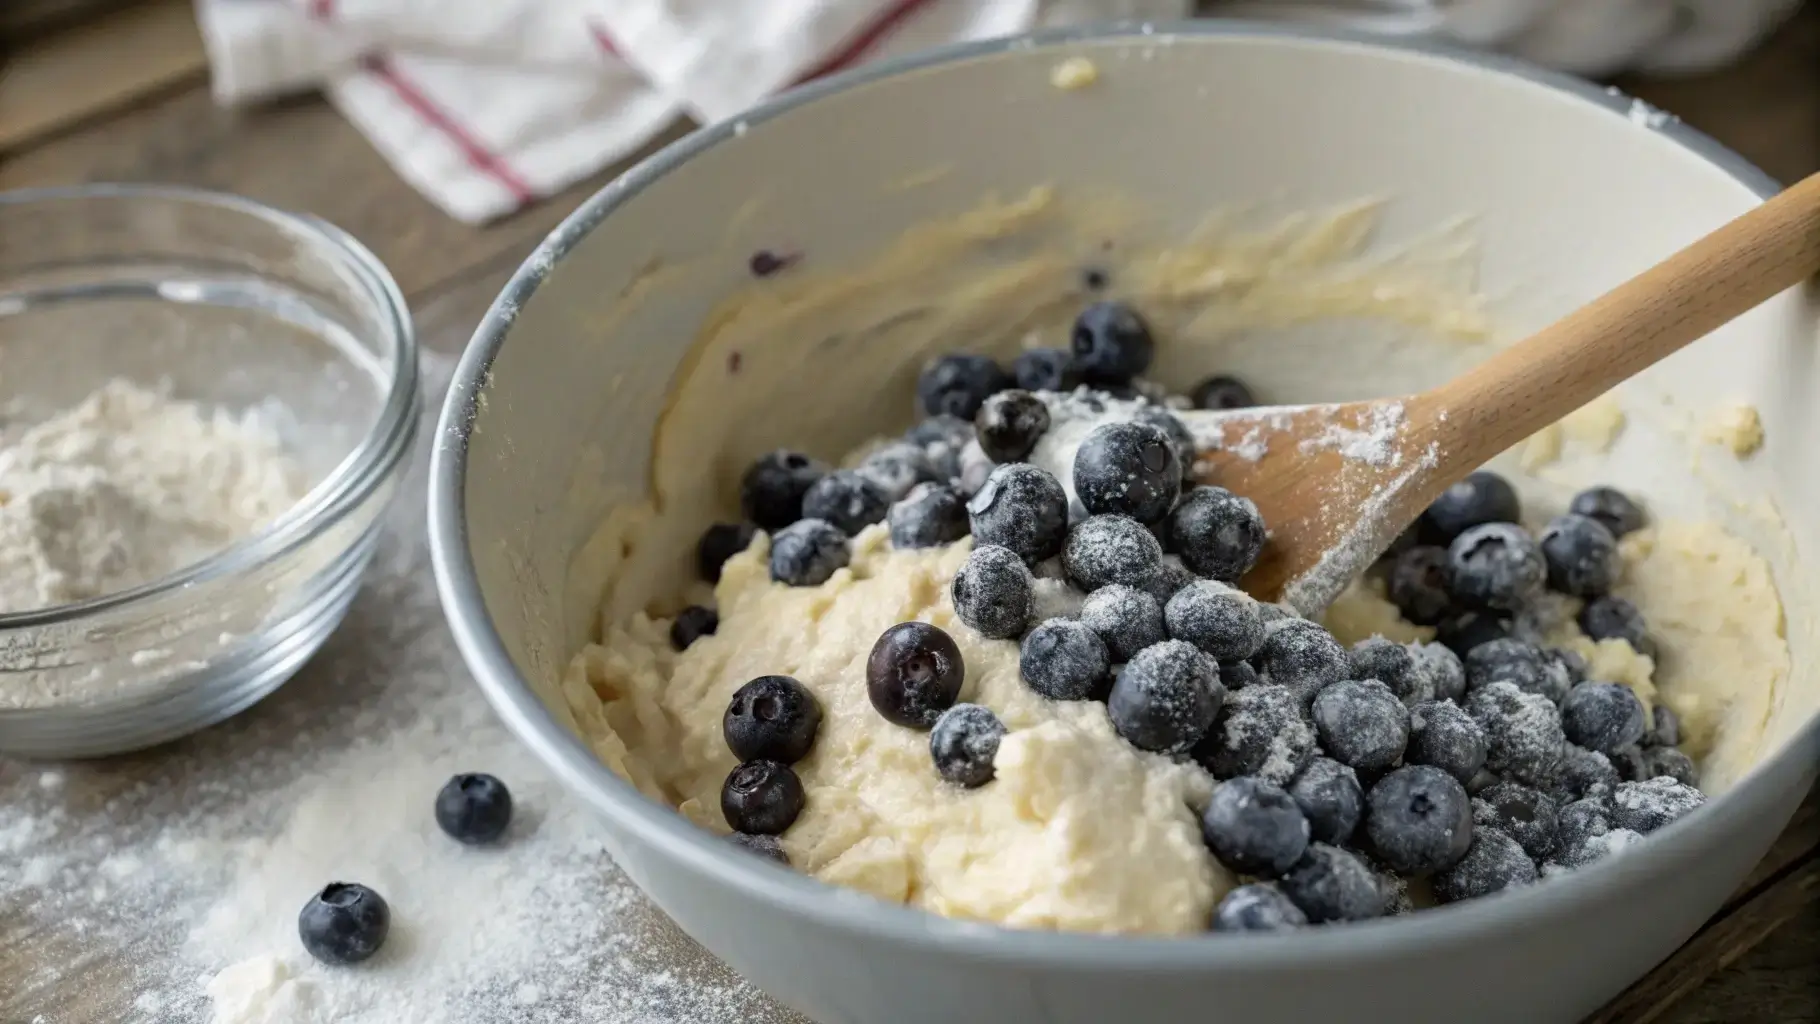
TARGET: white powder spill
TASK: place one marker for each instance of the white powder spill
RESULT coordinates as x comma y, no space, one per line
1372,442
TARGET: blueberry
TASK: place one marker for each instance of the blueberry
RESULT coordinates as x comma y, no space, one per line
942,438
1631,764
1260,731
1644,807
1669,761
1609,506
1444,736
955,385
1361,724
913,674
1165,698
771,718
1111,343
1494,862
1258,907
1484,497
1127,469
898,467
1581,554
474,808
719,543
1022,508
1602,716
1046,369
1331,884
1418,585
1571,663
1496,566
1063,659
1584,833
1665,728
762,798
1236,675
992,592
1110,549
1582,773
1254,827
1218,534
807,552
1222,392
765,846
693,623
848,500
964,743
345,923
1419,820
1394,665
1010,424
1481,782
1527,815
1523,738
1613,617
1127,620
930,516
1301,656
1467,630
1446,673
1180,437
771,493
1169,580
1331,799
1518,662
1218,619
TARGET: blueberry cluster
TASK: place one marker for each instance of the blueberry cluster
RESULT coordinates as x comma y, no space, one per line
770,724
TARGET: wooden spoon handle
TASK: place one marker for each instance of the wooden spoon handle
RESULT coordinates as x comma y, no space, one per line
1569,363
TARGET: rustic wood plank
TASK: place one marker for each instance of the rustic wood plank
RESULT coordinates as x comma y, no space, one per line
1776,982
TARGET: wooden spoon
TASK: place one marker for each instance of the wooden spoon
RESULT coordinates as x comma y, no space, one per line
1337,483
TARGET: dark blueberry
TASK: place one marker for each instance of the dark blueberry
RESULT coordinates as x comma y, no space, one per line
955,385
1301,656
474,808
1046,369
1494,862
1222,392
1165,698
1254,827
1111,343
1527,815
1273,612
771,493
1418,585
1217,533
1631,765
1361,724
1523,738
1180,437
1394,665
764,262
771,718
1127,620
1446,673
1665,730
913,674
1443,735
719,543
1170,579
1497,566
1022,508
964,743
807,552
1670,761
1585,833
1419,820
1581,554
1613,617
1063,659
1518,662
942,438
991,592
1410,537
1258,907
1331,799
1261,730
1220,620
1644,807
930,516
1463,632
1609,506
1110,549
693,623
1582,773
848,500
1602,716
1010,424
1484,497
1570,662
1236,675
1331,884
1481,782
1127,469
345,923
765,846
761,798
898,467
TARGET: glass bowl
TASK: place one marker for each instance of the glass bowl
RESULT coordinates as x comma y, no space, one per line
232,305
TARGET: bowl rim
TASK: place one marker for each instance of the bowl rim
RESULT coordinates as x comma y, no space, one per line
358,473
790,894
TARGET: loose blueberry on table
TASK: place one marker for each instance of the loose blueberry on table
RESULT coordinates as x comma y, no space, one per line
345,923
474,808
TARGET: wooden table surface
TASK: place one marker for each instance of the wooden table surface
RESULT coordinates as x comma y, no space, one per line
125,98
